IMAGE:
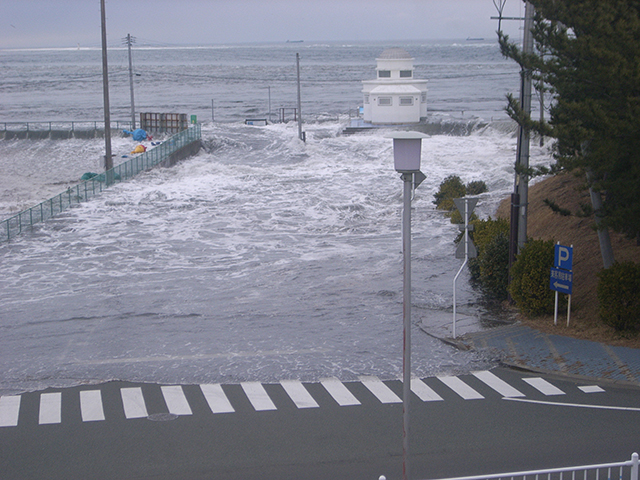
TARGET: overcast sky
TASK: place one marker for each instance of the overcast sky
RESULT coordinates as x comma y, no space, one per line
60,23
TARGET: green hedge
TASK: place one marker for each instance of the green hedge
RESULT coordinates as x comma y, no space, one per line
450,189
619,295
530,278
494,266
484,232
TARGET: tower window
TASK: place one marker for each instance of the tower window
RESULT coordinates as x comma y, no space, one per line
406,73
384,73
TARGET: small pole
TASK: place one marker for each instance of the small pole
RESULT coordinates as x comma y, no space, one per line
555,309
269,103
569,304
300,133
406,308
212,113
634,466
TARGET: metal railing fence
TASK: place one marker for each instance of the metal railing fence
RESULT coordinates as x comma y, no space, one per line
88,189
61,125
627,470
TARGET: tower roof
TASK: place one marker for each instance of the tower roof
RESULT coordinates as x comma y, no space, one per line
394,54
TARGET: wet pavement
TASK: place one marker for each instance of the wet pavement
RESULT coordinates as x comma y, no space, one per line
519,346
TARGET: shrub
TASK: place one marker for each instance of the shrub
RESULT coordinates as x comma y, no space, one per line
530,278
494,266
450,188
619,295
476,188
484,232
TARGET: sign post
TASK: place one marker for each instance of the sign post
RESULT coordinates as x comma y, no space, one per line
466,249
561,278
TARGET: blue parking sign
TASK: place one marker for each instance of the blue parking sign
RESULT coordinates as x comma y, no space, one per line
563,257
561,280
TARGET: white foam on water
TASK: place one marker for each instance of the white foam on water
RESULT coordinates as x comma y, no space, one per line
259,244
259,259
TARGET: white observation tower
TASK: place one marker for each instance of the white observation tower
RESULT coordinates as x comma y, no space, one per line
395,97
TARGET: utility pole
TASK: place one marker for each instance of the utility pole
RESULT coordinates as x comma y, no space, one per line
499,4
521,184
129,41
108,159
520,195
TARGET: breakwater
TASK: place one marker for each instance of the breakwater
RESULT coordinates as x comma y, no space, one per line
59,130
179,146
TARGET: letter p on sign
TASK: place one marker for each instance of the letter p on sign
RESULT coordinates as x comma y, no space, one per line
563,257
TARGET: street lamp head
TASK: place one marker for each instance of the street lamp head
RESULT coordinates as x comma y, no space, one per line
407,147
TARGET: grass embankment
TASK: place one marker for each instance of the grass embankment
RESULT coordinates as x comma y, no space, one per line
565,190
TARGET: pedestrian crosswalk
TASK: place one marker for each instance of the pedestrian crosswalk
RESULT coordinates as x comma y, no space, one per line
134,402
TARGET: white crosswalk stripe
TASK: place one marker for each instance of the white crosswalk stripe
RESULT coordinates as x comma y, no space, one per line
591,389
217,400
133,402
300,396
258,396
380,390
499,385
9,410
543,386
339,392
50,408
177,398
461,388
91,406
423,391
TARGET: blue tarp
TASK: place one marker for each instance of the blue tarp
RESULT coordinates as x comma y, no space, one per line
138,134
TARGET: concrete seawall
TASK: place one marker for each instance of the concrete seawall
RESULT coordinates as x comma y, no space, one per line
187,151
53,134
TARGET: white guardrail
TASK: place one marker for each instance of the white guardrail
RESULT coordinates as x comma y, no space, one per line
627,470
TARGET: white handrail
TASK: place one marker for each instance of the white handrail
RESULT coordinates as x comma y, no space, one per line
633,473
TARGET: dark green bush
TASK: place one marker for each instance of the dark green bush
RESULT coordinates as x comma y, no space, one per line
619,295
450,188
494,266
476,188
484,232
530,278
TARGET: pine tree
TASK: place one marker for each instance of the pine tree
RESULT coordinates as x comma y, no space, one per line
588,60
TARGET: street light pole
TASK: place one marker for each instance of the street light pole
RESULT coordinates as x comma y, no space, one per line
406,156
407,178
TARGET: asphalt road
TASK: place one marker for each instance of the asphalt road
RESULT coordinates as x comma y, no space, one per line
276,432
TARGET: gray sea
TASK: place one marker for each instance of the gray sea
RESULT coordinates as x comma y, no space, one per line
261,258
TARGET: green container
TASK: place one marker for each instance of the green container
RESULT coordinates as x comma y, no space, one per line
194,119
